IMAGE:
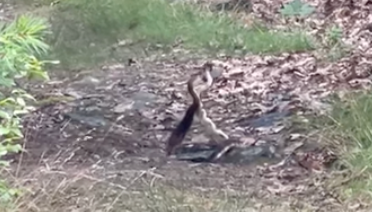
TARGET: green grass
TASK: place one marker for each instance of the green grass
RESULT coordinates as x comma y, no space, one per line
86,30
349,126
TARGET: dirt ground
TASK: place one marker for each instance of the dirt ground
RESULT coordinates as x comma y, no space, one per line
111,124
96,143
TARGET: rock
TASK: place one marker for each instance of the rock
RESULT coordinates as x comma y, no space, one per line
124,106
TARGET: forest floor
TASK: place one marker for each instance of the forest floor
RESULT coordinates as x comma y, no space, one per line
96,142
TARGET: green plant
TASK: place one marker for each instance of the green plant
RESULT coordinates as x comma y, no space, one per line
333,43
334,35
85,31
21,43
297,8
348,128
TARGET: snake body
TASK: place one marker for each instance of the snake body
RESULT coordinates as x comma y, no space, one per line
210,127
183,127
196,107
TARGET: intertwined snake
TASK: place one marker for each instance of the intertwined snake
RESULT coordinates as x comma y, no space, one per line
211,128
196,107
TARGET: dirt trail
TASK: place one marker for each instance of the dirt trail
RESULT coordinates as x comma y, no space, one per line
111,124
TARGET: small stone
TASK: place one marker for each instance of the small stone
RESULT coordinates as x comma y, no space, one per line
122,107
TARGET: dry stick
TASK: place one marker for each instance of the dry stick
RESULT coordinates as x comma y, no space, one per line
130,184
23,151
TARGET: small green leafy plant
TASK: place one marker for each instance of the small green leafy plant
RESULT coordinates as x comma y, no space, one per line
21,45
333,43
334,35
297,8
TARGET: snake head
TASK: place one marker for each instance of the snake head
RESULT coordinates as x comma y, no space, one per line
204,80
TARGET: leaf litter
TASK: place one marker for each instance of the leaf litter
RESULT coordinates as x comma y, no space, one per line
245,89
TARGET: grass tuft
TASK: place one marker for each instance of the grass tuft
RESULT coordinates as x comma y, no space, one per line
350,126
85,30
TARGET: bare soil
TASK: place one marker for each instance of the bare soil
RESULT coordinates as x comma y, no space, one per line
113,122
98,137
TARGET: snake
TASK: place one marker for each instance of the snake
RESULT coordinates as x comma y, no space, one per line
196,108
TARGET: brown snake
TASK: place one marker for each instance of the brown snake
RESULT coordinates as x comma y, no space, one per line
210,127
196,107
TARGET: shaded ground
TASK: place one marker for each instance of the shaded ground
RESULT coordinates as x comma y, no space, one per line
121,115
99,135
